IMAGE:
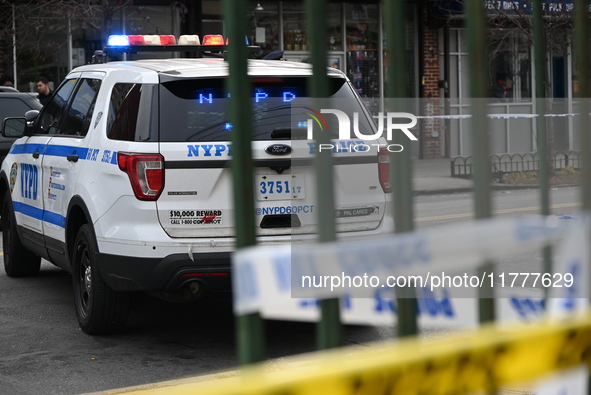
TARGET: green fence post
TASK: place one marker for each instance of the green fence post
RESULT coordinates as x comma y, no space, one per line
400,163
582,66
542,141
249,328
476,23
328,334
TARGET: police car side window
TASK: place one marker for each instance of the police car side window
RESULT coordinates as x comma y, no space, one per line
80,113
124,109
53,111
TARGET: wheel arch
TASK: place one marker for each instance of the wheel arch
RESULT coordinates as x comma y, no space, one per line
3,187
78,215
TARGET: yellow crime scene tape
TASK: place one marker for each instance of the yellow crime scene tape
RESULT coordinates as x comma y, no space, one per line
487,359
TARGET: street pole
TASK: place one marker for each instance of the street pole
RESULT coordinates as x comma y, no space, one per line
70,63
14,70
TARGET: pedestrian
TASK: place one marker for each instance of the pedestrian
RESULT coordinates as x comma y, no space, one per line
503,90
43,89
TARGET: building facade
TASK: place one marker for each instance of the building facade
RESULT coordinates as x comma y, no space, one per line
53,42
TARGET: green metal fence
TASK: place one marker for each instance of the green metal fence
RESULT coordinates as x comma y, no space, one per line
249,328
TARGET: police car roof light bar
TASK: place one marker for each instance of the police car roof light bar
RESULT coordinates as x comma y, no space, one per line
119,44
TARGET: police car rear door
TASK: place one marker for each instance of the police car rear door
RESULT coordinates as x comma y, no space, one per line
66,154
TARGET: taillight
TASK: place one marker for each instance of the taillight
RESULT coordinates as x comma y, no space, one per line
384,170
146,173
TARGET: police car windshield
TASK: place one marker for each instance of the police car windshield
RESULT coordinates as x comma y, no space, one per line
197,109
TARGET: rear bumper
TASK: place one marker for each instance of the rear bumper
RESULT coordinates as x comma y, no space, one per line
125,273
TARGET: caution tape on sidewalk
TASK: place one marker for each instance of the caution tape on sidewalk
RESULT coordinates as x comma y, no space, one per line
488,359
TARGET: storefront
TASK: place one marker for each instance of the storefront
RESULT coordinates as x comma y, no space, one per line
511,78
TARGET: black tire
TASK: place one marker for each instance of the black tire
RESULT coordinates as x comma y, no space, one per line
18,261
100,310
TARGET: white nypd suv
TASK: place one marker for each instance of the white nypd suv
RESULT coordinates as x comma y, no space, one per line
123,179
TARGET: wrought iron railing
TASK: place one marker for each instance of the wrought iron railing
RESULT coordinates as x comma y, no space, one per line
501,164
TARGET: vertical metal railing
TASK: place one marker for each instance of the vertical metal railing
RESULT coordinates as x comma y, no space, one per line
540,60
581,52
329,328
249,328
400,163
478,63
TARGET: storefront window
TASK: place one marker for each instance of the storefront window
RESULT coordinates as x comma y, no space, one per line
264,26
335,27
362,49
510,66
295,29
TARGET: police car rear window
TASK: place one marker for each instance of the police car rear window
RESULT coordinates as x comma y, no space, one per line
197,109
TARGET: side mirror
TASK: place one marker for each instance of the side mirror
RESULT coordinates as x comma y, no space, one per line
14,127
30,117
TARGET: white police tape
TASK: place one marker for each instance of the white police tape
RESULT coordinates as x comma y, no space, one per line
266,276
496,116
574,257
573,381
438,309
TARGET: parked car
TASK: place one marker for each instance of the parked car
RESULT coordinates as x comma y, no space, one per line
13,104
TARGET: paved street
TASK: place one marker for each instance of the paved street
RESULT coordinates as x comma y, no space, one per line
44,351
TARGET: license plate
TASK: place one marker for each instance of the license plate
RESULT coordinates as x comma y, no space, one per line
280,187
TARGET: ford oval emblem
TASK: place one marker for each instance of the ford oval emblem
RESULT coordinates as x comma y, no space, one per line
278,149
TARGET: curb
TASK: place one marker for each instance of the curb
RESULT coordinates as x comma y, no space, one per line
494,187
205,379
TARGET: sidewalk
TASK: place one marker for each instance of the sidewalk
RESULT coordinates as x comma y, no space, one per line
433,176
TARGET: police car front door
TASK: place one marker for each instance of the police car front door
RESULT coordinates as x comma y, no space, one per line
27,200
28,194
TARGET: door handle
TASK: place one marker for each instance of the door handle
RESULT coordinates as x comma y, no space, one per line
36,154
72,158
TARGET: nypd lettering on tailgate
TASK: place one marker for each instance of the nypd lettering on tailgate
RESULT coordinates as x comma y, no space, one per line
195,217
209,150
